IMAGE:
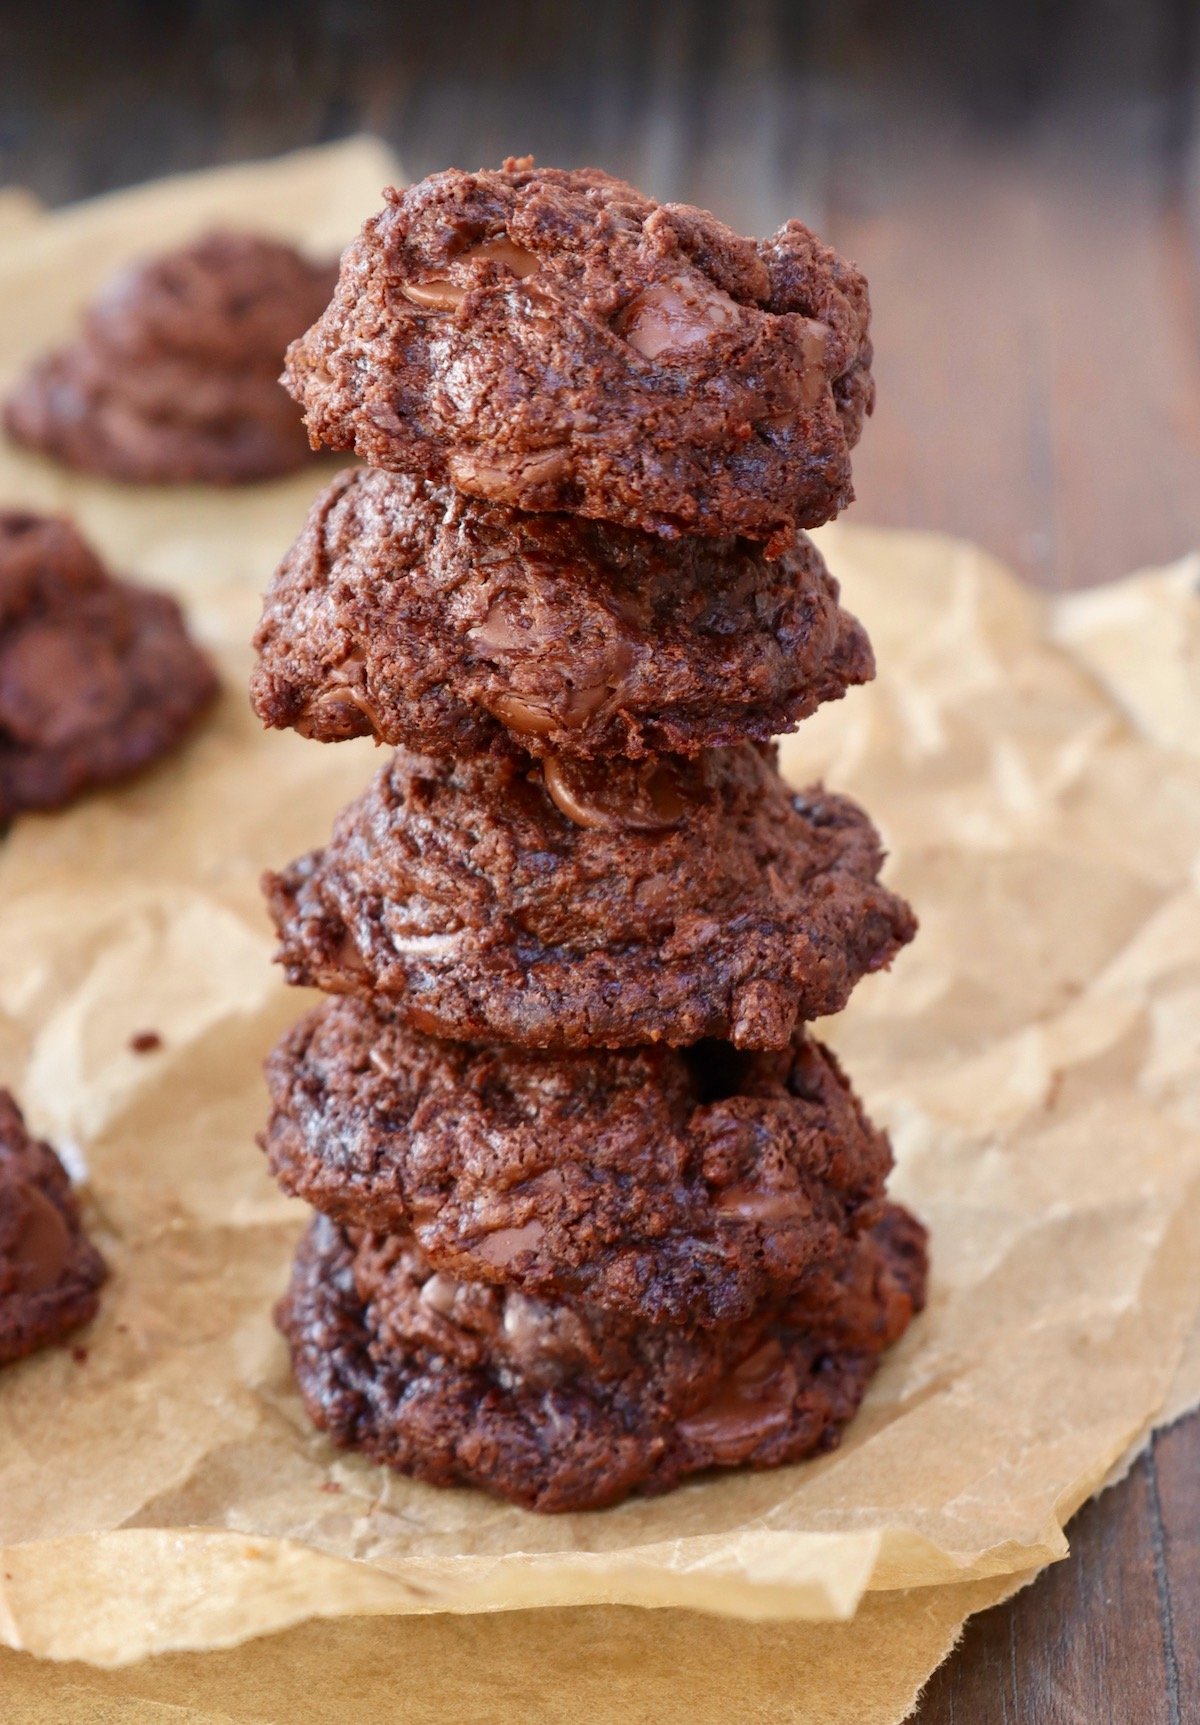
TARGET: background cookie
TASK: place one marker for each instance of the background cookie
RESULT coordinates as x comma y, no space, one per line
432,620
98,678
675,1184
50,1273
609,356
174,376
593,905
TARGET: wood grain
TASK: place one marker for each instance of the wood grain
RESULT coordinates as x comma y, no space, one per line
1021,182
1091,1642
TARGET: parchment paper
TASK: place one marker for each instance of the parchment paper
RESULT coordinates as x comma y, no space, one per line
594,1665
1034,1054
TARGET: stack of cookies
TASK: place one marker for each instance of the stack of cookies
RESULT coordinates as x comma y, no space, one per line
595,1211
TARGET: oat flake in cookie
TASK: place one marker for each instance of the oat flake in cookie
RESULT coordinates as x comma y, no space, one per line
98,677
557,341
410,613
682,1185
593,905
558,1406
174,375
50,1273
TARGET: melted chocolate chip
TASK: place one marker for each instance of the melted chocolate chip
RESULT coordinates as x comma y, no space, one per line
503,251
671,317
441,294
645,796
43,1245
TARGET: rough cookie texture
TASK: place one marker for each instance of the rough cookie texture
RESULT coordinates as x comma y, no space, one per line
558,1406
50,1273
98,678
593,905
432,620
175,375
684,1185
557,341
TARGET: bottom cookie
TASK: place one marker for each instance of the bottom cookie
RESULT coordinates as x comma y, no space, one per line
558,1406
50,1273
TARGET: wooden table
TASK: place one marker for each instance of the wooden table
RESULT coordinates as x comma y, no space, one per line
1020,182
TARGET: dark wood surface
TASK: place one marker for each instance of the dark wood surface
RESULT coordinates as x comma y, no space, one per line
1021,183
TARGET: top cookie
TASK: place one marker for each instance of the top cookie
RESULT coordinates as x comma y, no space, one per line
174,376
557,341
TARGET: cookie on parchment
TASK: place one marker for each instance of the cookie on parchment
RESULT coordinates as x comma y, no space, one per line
50,1273
557,1406
98,677
174,376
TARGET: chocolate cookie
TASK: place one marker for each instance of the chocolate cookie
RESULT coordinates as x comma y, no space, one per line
682,1185
600,905
424,618
98,678
50,1273
559,1407
557,341
175,374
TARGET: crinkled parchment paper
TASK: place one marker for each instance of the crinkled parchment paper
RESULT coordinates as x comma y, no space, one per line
593,1665
1035,769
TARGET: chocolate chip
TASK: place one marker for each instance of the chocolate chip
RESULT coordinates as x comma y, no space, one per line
43,1245
670,317
504,251
642,795
440,294
436,295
